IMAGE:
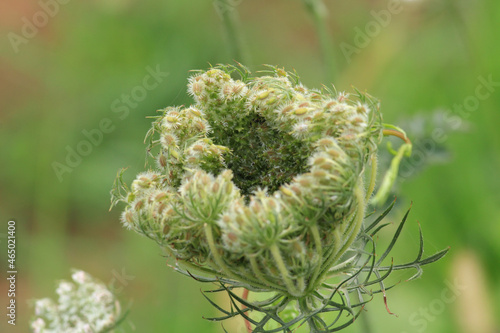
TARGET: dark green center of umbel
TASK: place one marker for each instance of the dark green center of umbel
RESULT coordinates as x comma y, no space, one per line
261,156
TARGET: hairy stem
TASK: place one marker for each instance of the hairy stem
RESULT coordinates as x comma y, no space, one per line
305,310
220,262
258,274
373,177
356,227
275,251
319,251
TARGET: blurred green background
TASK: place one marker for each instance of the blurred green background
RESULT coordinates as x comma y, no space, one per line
63,78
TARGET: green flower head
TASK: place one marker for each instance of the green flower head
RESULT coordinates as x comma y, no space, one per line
259,184
258,178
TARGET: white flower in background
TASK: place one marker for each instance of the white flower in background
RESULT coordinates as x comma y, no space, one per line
84,306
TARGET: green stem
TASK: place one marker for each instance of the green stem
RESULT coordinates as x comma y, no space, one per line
319,250
260,276
305,310
227,271
317,239
202,269
275,251
373,177
358,220
365,322
229,17
318,12
390,176
356,227
215,252
330,251
220,262
301,284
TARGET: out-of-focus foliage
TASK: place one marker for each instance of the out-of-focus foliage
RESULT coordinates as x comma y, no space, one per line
77,70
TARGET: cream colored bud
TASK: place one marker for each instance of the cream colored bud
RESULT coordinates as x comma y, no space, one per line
227,174
263,95
192,159
319,174
205,179
197,88
318,160
171,119
198,148
229,187
286,109
326,142
174,153
271,100
286,191
162,160
300,111
194,112
305,182
138,205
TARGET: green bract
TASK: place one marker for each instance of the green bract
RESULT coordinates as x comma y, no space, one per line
260,182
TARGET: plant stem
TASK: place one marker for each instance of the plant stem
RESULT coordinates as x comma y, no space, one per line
305,310
247,323
319,13
397,134
275,251
358,219
219,261
373,177
366,323
260,276
217,258
228,13
319,251
354,230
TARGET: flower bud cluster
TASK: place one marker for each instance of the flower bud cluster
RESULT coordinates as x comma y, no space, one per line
84,305
184,143
261,180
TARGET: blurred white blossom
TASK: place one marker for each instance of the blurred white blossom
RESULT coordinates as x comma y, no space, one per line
84,306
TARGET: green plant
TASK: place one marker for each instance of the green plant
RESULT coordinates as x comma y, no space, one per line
260,185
